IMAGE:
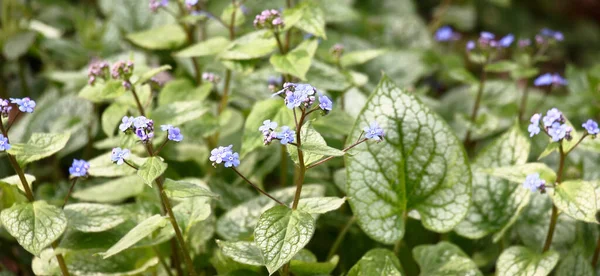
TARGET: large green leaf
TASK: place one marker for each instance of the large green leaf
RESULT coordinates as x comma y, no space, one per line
91,217
18,44
519,260
575,264
239,222
297,61
577,199
35,225
183,90
184,189
102,166
420,166
190,212
152,169
496,202
360,57
136,234
160,38
102,91
9,195
244,252
313,147
40,145
444,258
112,191
270,109
14,180
209,47
519,173
146,76
250,46
320,205
178,113
280,233
305,264
377,262
308,17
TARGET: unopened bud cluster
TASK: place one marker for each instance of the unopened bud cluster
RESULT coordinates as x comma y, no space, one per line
269,19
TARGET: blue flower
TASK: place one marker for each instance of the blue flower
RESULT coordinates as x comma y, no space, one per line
533,182
549,79
470,45
126,123
79,168
444,33
217,155
486,36
506,41
173,133
142,122
553,115
556,35
267,126
232,159
144,134
286,135
4,145
191,2
559,131
534,127
297,94
25,105
374,131
591,126
119,155
325,103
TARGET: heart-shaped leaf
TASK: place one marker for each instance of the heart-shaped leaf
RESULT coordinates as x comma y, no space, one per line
522,261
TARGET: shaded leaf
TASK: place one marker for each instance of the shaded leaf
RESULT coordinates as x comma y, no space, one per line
39,146
136,234
444,258
152,169
519,260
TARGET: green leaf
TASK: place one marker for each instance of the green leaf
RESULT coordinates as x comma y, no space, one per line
35,225
577,199
161,38
518,173
111,118
9,195
91,217
244,252
501,66
575,264
239,222
190,212
39,146
280,233
297,61
360,57
313,147
209,47
377,262
153,168
136,234
151,73
270,109
178,113
14,180
183,90
497,203
462,75
420,166
320,205
227,15
250,46
444,258
18,44
308,17
112,191
102,166
310,266
102,91
519,260
183,189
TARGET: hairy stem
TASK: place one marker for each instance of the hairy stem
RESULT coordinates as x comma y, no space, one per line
596,253
554,216
340,238
301,166
475,110
257,188
137,100
69,192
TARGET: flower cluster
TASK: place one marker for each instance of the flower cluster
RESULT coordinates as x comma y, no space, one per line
5,108
4,145
446,33
156,4
173,133
554,125
550,79
79,168
211,77
488,40
534,183
285,136
25,104
303,96
374,132
269,19
97,69
119,155
141,126
224,155
122,70
547,35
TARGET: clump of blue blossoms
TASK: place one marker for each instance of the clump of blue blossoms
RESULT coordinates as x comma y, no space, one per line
25,104
173,133
4,145
79,168
119,155
547,35
446,33
374,132
550,79
224,155
553,125
488,40
141,126
303,95
269,19
534,183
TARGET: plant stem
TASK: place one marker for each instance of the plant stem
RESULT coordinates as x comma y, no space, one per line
596,253
523,105
161,146
331,157
256,187
162,261
554,216
340,238
137,100
69,192
10,124
279,44
301,166
475,110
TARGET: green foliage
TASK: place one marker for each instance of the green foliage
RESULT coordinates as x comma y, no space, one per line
40,145
152,169
518,260
444,259
136,234
377,262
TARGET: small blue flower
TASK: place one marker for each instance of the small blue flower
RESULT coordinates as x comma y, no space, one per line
556,35
533,182
5,108
325,103
4,145
144,134
374,131
550,79
524,42
119,155
591,126
79,168
470,45
25,105
286,135
217,155
506,41
191,2
267,126
126,123
173,133
486,36
444,33
142,122
232,159
559,131
553,115
534,127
